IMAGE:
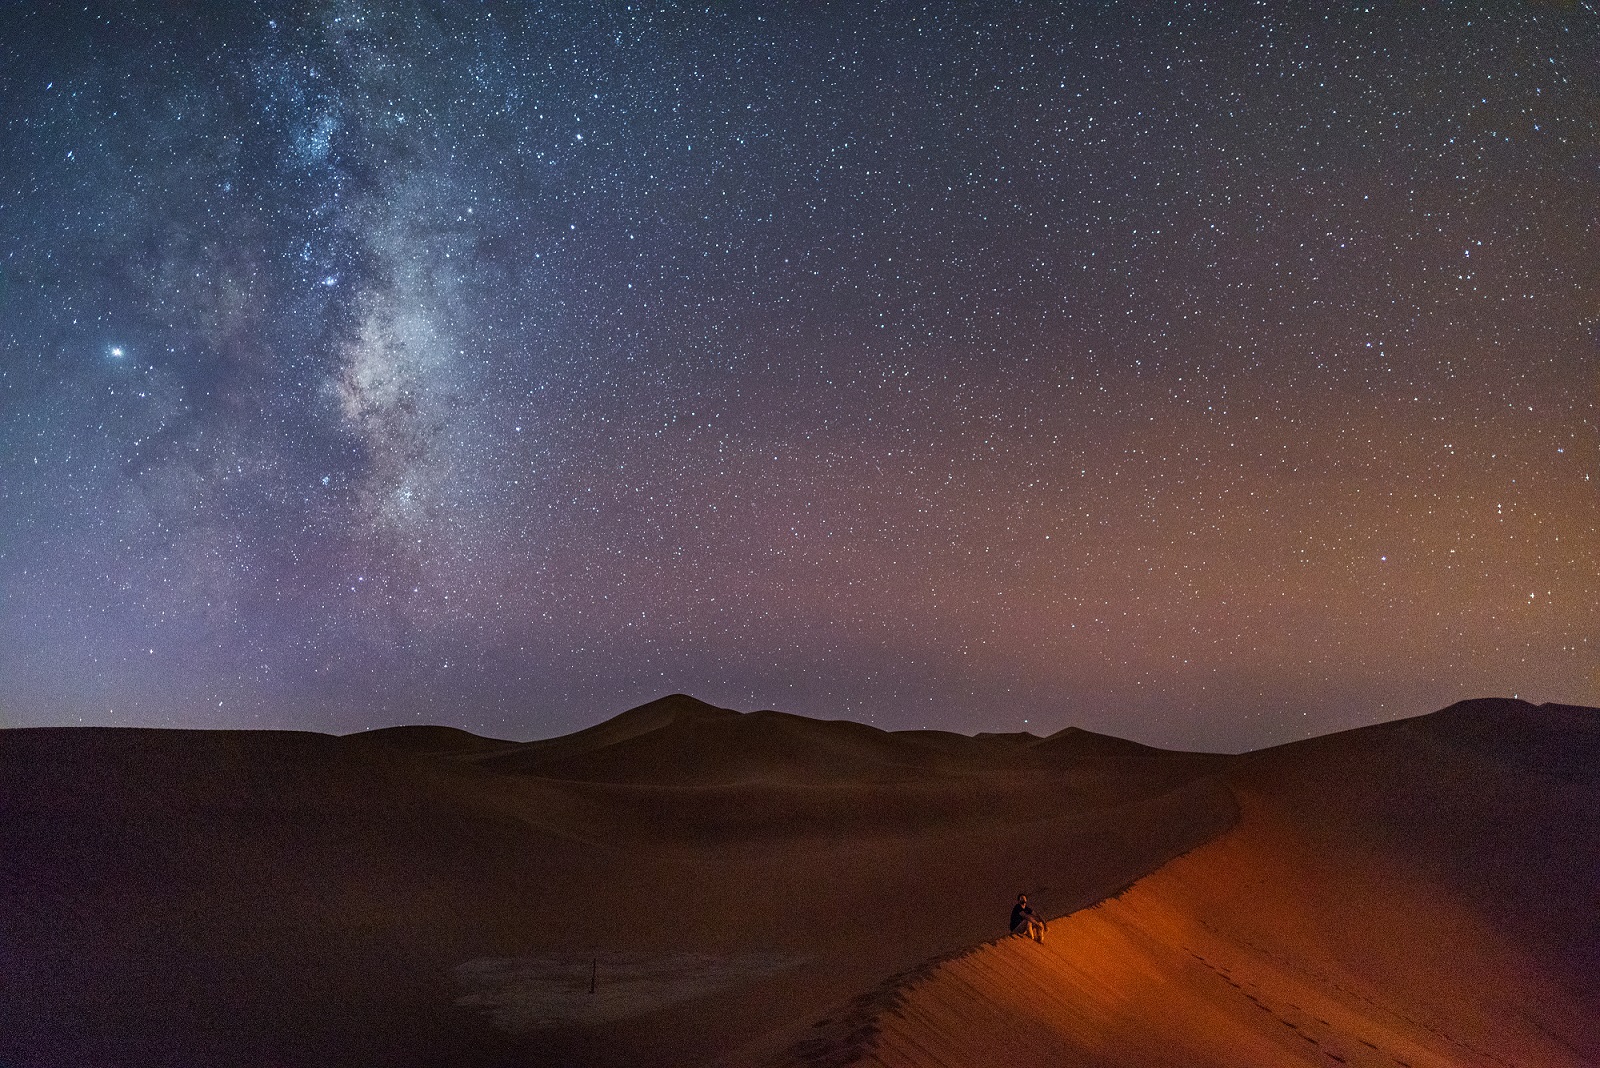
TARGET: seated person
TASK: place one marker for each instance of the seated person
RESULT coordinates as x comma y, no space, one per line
1023,920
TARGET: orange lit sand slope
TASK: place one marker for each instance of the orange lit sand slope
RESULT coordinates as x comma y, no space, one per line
1417,894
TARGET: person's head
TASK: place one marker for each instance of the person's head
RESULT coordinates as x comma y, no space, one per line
1022,899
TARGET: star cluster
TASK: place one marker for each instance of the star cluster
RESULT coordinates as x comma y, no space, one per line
1205,377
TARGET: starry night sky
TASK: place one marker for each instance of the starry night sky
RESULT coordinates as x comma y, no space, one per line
1211,376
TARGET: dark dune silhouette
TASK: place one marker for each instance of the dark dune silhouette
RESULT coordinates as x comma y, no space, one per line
444,741
727,881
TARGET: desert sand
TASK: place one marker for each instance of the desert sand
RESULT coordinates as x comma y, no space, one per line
1420,894
691,885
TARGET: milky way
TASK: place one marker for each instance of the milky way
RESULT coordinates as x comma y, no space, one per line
1205,378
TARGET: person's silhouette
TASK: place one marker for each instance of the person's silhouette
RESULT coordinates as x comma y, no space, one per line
1024,921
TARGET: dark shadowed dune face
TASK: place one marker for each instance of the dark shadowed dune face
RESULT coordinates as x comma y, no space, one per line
422,896
680,741
758,747
442,741
1494,801
1552,739
1557,740
661,714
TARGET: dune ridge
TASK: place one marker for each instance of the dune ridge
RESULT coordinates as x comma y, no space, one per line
1419,893
680,740
740,885
421,896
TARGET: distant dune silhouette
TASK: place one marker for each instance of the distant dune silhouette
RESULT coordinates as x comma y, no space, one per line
679,740
690,884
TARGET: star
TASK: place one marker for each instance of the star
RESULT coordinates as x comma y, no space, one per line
943,365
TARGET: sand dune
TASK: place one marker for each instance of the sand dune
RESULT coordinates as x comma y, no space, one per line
678,740
419,896
1418,894
744,889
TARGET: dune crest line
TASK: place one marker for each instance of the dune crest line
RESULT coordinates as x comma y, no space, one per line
1344,920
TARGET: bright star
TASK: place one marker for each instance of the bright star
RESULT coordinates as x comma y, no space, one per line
116,352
